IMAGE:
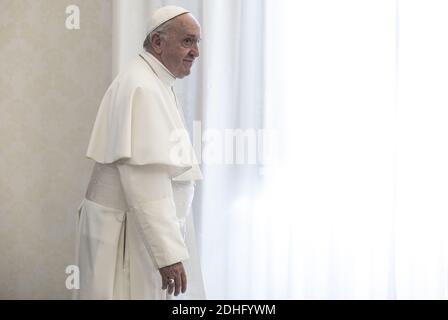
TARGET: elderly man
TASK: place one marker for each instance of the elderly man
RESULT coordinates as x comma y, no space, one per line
135,235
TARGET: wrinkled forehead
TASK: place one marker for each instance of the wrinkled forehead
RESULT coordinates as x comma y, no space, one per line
186,24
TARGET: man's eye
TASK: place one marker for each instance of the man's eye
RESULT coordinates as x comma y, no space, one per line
188,41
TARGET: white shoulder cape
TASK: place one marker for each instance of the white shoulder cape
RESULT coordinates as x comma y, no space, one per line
138,123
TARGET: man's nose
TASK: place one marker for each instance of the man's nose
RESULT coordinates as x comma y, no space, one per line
195,50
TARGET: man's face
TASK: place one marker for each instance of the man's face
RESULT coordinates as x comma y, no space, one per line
180,45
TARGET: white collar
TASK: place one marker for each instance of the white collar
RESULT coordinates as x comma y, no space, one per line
159,69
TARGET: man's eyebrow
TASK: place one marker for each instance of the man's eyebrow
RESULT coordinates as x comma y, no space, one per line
192,36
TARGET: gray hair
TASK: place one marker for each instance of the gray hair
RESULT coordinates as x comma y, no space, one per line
160,30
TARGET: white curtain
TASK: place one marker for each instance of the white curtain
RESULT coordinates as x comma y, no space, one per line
355,204
364,183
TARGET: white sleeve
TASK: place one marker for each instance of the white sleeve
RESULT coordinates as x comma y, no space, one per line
149,194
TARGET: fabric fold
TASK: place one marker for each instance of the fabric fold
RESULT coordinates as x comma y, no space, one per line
158,223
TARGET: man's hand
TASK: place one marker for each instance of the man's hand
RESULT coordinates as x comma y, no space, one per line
175,272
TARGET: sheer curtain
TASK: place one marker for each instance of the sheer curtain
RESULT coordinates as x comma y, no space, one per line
354,205
360,197
422,153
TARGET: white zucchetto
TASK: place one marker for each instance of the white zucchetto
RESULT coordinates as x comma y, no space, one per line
163,15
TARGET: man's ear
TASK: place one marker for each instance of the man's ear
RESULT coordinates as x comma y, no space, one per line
156,43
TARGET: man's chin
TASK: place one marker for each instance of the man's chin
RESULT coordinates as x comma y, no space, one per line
186,73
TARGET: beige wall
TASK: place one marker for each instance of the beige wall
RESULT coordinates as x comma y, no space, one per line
51,83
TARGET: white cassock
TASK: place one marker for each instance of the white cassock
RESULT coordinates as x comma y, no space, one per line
136,216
